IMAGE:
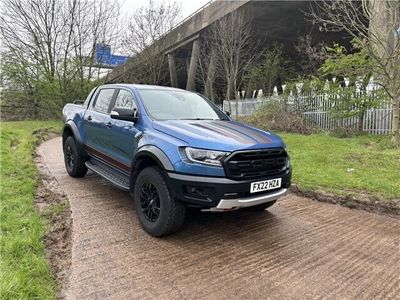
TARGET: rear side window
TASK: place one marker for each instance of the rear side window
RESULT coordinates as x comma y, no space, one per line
125,100
103,100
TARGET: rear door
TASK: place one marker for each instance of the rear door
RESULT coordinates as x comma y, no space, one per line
96,122
122,133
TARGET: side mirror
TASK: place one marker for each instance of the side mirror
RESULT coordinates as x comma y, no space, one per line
124,114
228,113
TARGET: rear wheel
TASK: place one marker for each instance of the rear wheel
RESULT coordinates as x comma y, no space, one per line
261,207
74,162
158,212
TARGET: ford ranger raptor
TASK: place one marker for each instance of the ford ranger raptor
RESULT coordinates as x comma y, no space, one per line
172,149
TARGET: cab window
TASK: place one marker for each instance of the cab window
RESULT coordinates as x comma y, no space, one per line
125,100
103,100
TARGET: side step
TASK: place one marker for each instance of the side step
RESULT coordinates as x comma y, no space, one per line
118,179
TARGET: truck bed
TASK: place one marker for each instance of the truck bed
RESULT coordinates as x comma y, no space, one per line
70,110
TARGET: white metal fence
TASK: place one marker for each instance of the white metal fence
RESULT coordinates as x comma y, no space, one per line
317,113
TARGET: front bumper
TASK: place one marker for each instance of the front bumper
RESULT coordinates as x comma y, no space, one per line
218,193
249,201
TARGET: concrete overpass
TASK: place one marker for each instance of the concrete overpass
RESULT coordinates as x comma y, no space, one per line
281,21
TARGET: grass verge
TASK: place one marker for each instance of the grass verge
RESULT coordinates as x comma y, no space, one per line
24,270
365,165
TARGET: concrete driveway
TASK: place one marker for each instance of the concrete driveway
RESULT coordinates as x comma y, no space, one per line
298,249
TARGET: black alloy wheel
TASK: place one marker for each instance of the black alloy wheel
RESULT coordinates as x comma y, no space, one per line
74,162
150,202
69,157
158,211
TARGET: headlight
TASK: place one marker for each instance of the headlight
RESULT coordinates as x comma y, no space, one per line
288,157
287,163
203,156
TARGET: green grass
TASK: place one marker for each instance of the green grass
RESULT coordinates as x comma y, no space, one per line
24,270
321,161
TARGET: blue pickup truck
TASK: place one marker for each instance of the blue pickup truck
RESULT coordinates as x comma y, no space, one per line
173,149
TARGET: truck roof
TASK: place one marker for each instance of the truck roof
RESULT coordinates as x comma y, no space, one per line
143,86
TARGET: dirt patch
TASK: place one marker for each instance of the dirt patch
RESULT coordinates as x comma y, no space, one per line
359,200
44,134
53,205
354,157
14,144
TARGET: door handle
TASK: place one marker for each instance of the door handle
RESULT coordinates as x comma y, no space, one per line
108,125
89,118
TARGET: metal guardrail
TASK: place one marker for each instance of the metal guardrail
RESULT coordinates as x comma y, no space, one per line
187,18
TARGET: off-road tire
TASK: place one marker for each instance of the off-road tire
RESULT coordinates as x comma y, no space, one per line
76,167
171,211
261,207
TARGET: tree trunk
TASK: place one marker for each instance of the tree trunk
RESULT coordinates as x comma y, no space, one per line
228,94
396,120
237,107
230,86
360,121
209,92
249,92
228,91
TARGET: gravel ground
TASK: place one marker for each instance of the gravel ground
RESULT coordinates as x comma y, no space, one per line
298,249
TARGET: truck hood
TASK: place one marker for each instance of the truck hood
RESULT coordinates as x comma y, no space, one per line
218,135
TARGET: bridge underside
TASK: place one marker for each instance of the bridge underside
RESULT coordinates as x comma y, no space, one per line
272,21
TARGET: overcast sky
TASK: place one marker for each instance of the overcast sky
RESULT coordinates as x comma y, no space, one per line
188,6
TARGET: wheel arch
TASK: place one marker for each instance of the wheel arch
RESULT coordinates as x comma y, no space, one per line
70,129
148,156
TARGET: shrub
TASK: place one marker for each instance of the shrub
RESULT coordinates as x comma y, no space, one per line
273,117
345,132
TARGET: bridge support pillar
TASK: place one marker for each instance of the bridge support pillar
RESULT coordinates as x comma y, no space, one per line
191,83
209,93
172,70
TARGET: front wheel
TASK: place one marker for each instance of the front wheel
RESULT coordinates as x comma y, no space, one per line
158,212
261,207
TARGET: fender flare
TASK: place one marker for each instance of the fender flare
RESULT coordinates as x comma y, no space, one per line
70,125
157,154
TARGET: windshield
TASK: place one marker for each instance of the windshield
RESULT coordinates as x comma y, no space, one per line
178,105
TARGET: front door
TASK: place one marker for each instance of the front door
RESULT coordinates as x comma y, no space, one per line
122,133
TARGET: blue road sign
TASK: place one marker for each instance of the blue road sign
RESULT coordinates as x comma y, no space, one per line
118,59
104,56
103,53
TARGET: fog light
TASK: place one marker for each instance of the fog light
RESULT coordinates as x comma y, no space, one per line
197,192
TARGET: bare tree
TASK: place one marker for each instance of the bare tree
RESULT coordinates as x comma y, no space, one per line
311,55
53,41
271,70
95,22
235,48
206,66
375,27
147,25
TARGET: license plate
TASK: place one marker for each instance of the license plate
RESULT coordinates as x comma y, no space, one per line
265,185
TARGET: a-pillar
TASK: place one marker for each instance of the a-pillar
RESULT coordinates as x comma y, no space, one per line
172,70
191,84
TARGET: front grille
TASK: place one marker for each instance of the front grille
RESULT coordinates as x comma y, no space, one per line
255,163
